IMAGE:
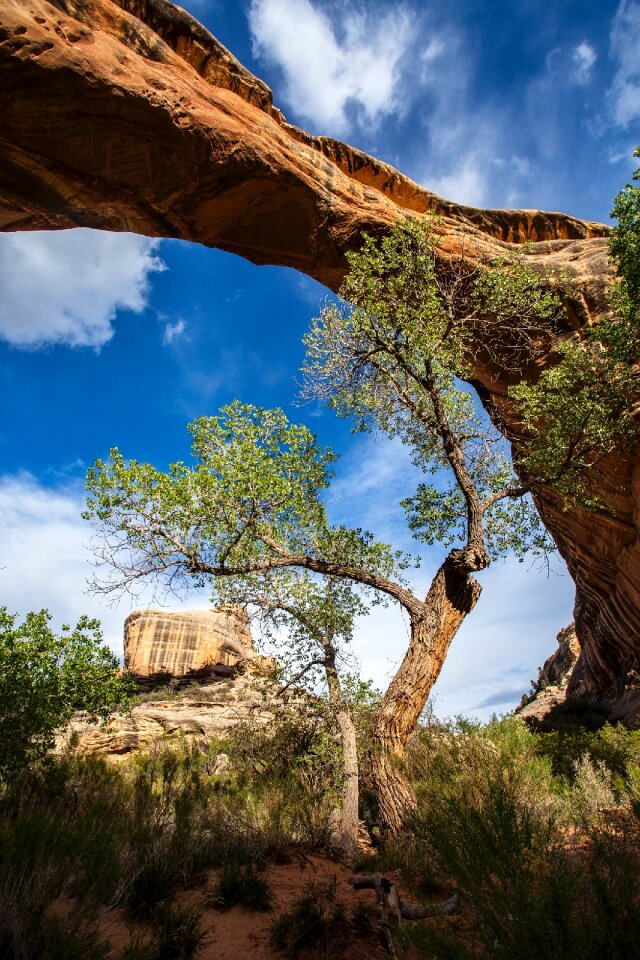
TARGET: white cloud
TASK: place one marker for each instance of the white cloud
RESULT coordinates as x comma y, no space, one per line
66,287
467,183
173,331
45,560
468,143
624,94
583,58
371,480
330,66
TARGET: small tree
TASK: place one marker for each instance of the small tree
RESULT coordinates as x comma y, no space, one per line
45,677
249,510
317,616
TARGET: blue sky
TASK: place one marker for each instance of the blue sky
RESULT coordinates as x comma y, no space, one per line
119,340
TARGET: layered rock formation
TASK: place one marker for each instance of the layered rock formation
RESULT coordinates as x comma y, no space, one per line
208,658
198,714
547,706
128,115
160,643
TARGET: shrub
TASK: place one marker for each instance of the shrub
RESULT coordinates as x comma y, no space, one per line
492,814
177,932
615,747
44,678
315,920
241,884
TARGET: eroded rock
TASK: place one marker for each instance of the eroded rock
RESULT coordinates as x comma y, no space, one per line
549,705
165,644
199,714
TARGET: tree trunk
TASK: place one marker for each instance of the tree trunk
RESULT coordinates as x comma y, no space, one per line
349,819
452,595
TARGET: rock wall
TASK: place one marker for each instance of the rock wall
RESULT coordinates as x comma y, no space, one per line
200,714
548,706
129,116
158,642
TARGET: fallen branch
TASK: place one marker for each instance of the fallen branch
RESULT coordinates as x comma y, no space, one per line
387,893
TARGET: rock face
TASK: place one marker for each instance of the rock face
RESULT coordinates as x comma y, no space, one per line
201,713
181,648
128,115
158,643
547,706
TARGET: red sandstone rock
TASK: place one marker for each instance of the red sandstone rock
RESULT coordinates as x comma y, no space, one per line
547,706
130,116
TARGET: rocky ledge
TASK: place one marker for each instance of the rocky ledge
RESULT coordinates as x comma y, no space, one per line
198,674
200,713
547,706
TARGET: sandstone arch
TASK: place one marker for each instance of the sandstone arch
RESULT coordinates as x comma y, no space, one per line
129,116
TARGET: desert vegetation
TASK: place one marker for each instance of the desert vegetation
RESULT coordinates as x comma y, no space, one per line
537,833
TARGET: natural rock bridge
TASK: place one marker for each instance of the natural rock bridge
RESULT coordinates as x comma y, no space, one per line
130,116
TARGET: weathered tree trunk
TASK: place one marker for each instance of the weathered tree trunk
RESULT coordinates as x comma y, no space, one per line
452,595
349,819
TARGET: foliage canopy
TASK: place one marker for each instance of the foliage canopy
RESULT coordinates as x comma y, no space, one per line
583,406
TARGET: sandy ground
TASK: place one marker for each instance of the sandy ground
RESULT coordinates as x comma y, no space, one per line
240,934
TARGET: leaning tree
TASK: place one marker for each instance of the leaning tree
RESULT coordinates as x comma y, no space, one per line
394,353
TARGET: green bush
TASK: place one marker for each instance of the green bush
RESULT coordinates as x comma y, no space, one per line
316,920
493,817
177,933
615,747
44,678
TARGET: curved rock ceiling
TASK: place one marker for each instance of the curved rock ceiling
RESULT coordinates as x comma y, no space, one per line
130,116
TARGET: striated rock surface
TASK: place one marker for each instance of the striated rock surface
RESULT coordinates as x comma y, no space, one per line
158,642
130,116
547,706
199,714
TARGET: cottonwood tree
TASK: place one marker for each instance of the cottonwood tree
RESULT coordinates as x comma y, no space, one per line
251,507
584,405
247,517
309,619
393,353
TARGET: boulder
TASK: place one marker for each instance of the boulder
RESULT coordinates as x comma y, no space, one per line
159,645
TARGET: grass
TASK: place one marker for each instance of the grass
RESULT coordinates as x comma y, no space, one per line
133,835
540,832
316,921
177,932
241,884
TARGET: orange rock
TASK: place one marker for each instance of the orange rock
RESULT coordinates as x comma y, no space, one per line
162,642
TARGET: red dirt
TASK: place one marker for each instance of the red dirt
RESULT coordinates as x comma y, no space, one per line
237,933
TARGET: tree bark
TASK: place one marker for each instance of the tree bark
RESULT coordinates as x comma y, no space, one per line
452,595
349,818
